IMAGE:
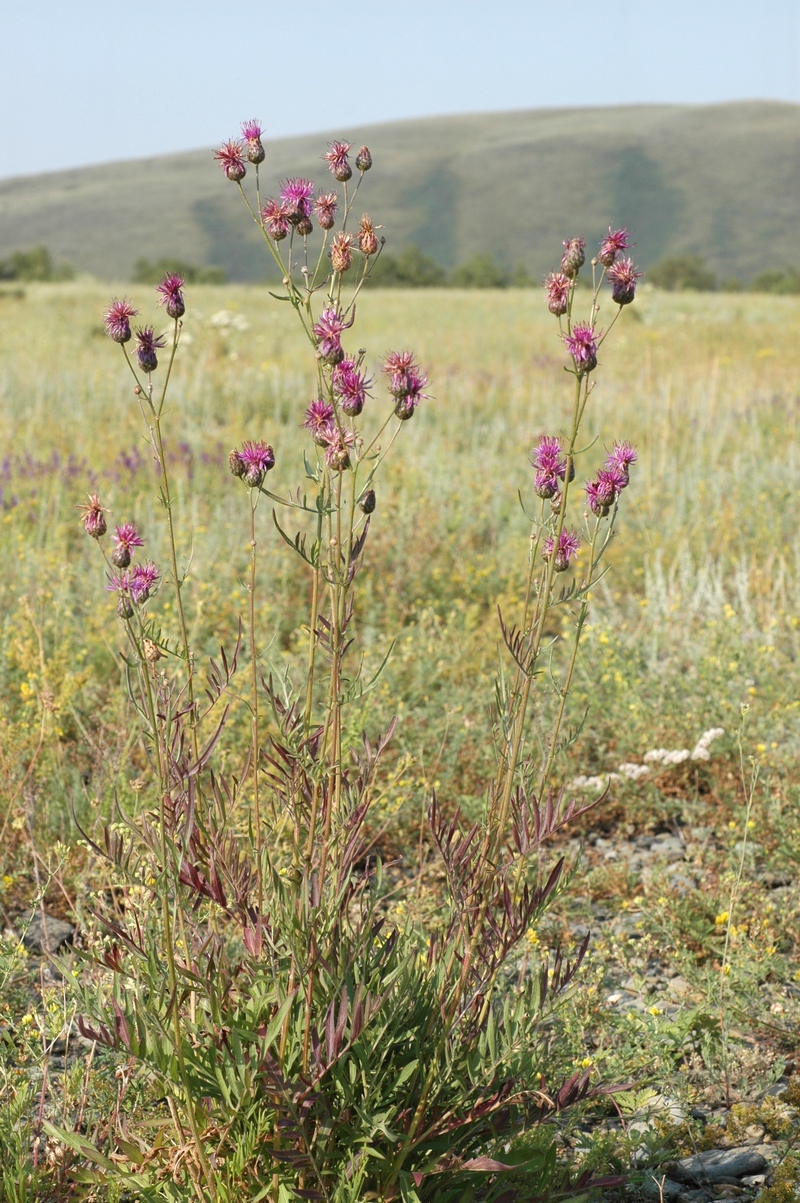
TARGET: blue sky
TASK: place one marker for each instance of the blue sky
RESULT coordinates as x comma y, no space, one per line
89,81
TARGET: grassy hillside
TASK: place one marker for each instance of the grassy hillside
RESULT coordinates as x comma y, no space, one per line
718,180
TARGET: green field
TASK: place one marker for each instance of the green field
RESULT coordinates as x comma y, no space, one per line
696,626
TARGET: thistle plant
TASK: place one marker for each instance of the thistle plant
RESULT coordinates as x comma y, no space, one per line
304,1045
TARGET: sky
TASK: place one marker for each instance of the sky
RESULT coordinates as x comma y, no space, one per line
89,81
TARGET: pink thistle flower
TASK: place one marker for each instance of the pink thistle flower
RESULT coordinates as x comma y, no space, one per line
319,420
342,252
325,209
171,295
582,346
142,580
93,517
363,159
336,158
337,448
257,458
275,218
367,238
406,382
229,157
568,543
602,492
550,467
126,538
350,386
621,458
147,344
556,287
117,320
623,277
573,258
328,332
251,132
612,244
296,194
119,583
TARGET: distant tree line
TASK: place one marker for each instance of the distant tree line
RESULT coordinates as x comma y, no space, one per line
152,272
413,269
691,272
36,264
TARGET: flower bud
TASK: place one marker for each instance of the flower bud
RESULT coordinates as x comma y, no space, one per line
573,258
364,159
367,502
305,226
124,607
94,522
121,556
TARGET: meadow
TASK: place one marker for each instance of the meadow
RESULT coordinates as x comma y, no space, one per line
695,627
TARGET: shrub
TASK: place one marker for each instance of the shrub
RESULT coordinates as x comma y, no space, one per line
409,269
147,272
480,271
679,272
34,265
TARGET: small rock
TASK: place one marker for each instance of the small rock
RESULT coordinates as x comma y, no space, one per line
57,932
717,1165
754,1179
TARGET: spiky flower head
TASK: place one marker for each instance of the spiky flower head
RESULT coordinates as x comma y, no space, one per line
93,517
328,331
363,159
147,343
257,458
117,320
573,258
120,583
171,296
325,209
251,132
319,419
236,464
611,246
142,580
582,346
336,158
623,276
342,252
304,227
296,194
367,238
229,157
350,386
556,287
549,466
621,457
603,491
275,218
337,448
568,543
406,382
126,538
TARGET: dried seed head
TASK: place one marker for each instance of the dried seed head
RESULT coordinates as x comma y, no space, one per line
152,652
342,252
367,238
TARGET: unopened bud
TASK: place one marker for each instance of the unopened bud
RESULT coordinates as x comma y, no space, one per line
121,556
363,159
367,502
305,226
236,464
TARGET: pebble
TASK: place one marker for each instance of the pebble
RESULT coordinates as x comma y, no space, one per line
717,1165
58,933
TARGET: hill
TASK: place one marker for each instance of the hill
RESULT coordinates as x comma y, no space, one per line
722,181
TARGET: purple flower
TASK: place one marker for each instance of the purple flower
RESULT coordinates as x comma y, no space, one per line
337,448
549,466
275,217
363,159
328,332
296,194
612,244
573,258
406,382
568,544
230,160
623,277
117,320
325,209
342,252
141,580
602,492
93,519
367,238
251,132
171,295
126,538
582,346
556,287
257,458
319,419
337,160
621,458
147,344
350,386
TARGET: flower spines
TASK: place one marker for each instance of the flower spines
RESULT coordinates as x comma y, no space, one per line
297,194
171,295
325,209
230,158
568,543
252,462
406,382
611,246
275,218
328,332
350,386
342,252
603,491
126,539
550,467
623,276
318,420
338,162
251,132
582,346
117,320
574,257
621,457
147,343
367,238
93,517
337,447
556,287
